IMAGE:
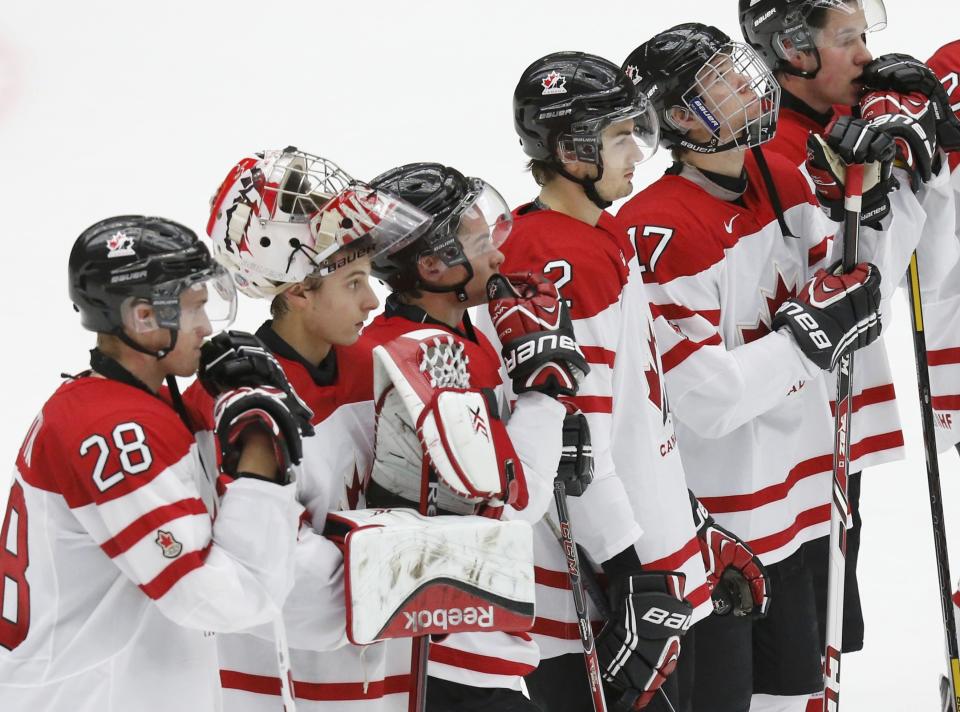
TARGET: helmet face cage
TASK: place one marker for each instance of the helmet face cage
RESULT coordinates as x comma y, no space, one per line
584,141
735,96
263,219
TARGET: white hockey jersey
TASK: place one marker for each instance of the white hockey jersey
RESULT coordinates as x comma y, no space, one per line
114,565
639,493
752,412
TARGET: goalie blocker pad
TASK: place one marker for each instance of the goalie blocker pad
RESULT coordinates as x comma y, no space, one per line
460,432
408,575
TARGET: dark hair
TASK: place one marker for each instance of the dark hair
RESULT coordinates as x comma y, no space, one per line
543,171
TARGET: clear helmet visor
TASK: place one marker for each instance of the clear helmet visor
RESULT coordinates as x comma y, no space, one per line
634,129
482,222
735,96
823,24
362,222
205,301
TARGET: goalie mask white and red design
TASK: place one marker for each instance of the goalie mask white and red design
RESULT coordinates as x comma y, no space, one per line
429,416
282,216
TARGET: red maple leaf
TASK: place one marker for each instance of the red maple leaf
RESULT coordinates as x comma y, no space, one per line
762,328
164,539
354,489
654,384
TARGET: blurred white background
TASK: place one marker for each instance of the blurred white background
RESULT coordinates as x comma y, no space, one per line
111,107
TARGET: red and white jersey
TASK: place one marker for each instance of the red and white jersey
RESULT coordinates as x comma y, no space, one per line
876,431
496,659
941,300
752,411
637,469
328,672
115,568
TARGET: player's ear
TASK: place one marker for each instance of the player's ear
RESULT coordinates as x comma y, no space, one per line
296,296
682,118
799,59
138,317
430,267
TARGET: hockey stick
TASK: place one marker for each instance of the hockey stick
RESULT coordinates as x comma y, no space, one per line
579,600
839,508
951,702
420,653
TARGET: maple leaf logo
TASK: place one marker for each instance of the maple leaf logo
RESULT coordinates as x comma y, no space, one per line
554,83
761,327
171,547
655,391
354,489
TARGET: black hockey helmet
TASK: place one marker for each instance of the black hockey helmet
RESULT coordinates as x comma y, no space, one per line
132,259
469,218
698,70
563,102
779,29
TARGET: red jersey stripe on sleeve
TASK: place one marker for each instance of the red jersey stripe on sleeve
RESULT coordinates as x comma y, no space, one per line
149,522
684,350
556,629
869,396
945,402
599,355
677,311
675,561
167,578
439,653
818,252
591,404
943,357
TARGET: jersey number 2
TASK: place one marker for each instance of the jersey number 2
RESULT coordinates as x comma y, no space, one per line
14,589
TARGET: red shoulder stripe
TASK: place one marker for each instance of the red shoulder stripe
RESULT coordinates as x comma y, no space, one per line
167,578
149,522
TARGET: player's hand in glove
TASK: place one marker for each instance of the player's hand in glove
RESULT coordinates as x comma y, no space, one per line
849,141
908,119
738,582
639,646
252,392
834,314
903,74
576,459
534,327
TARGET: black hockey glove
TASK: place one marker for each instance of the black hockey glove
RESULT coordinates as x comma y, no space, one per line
834,314
639,646
904,74
252,391
849,141
576,459
534,327
738,581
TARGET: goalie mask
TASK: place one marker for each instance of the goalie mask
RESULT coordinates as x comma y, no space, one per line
283,216
696,71
469,220
782,30
134,274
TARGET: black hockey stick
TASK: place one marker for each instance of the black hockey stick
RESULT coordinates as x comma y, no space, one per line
579,600
420,651
853,191
950,691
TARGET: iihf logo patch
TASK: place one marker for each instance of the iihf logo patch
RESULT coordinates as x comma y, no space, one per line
120,244
171,547
554,83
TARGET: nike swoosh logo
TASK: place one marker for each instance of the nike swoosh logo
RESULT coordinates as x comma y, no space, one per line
729,225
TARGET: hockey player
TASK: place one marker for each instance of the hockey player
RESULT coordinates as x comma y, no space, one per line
434,280
584,128
733,245
818,51
294,228
119,555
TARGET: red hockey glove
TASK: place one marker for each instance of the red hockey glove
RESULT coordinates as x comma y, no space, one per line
576,459
904,74
834,314
534,327
638,648
738,581
910,121
849,141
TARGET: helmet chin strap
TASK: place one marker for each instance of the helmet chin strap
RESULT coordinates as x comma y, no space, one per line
460,288
160,354
589,185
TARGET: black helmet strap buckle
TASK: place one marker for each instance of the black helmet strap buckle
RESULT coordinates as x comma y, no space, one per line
158,354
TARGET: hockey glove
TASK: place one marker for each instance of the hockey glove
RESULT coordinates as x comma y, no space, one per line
232,359
576,459
534,327
834,314
852,141
904,74
738,581
639,646
910,121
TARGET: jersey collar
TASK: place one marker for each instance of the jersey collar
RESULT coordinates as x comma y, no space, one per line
323,374
394,306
